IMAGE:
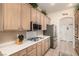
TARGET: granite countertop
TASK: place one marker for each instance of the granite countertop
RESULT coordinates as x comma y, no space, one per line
11,47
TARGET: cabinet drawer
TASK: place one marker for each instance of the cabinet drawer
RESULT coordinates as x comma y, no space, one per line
39,51
22,52
32,53
31,48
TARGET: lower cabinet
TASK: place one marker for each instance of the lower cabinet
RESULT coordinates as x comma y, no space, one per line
77,46
31,51
20,53
38,49
43,47
47,46
23,52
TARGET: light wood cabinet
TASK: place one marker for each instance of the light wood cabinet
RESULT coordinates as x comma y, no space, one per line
25,16
39,49
1,18
31,51
12,16
20,53
33,15
47,46
38,17
44,22
31,48
77,31
43,47
15,16
23,52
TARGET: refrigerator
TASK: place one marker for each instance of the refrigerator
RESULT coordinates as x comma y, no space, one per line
52,32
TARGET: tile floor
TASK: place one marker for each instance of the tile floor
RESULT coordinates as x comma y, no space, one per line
65,49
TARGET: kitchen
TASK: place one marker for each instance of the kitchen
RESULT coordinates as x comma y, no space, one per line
27,30
21,30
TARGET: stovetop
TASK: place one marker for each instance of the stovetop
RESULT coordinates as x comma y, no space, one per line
34,38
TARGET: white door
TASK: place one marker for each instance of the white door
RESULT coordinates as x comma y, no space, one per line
66,29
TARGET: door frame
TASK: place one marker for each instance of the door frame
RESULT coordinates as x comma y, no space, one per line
73,29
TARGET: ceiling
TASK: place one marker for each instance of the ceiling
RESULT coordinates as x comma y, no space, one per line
54,7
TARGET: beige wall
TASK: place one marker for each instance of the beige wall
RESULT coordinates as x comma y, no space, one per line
9,36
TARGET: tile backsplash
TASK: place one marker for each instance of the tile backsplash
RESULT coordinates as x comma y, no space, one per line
33,34
12,35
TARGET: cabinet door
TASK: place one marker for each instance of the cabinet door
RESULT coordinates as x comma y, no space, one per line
25,17
43,47
44,22
30,48
12,16
38,17
46,45
23,52
39,49
76,26
1,17
32,53
33,15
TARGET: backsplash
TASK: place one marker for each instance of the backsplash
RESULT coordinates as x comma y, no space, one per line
33,34
9,36
12,35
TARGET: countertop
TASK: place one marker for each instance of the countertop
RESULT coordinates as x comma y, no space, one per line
11,47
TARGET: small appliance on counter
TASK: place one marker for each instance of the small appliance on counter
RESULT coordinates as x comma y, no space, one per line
20,39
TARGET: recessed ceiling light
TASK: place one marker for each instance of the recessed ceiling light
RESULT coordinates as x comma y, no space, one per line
52,4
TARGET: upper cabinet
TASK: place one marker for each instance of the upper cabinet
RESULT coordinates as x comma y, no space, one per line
33,15
38,17
1,18
17,16
14,16
25,21
11,16
43,21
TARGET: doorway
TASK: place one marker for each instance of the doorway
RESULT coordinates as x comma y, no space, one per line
66,29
